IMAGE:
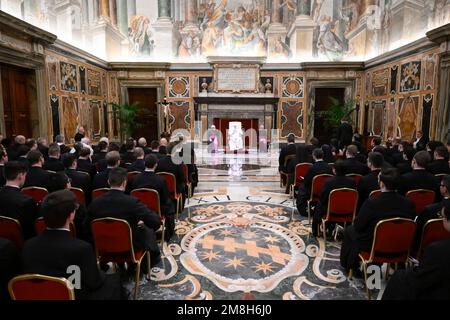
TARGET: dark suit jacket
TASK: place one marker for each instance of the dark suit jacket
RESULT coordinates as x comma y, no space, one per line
366,185
419,179
38,177
53,164
388,205
78,137
101,180
290,149
438,167
2,176
86,166
163,150
317,168
64,149
10,266
97,157
138,165
150,180
82,181
422,143
54,251
116,204
24,161
127,157
158,155
12,152
334,183
166,165
14,204
404,166
345,134
354,166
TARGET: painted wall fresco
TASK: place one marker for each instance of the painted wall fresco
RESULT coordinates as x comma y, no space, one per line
77,93
404,90
278,29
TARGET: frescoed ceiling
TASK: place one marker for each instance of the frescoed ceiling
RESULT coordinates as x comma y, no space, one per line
192,30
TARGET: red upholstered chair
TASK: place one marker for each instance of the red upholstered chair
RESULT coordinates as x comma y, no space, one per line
284,176
131,175
433,231
171,183
300,172
316,189
421,198
375,194
150,198
392,242
97,193
186,178
39,287
79,194
355,177
37,193
114,243
39,227
12,230
342,205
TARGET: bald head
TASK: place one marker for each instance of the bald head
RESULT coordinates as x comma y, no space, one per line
20,139
142,142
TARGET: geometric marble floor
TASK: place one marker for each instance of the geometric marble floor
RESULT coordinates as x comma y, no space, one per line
237,240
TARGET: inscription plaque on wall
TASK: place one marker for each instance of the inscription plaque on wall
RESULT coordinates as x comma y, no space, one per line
236,78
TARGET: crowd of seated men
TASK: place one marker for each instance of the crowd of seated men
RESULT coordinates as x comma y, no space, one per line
393,170
59,168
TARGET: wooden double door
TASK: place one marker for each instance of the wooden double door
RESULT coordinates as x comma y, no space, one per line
16,104
147,121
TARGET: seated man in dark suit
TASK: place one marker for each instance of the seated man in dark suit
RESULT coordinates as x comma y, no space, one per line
116,204
43,147
154,145
60,141
84,162
404,165
12,150
430,280
149,180
286,151
10,266
304,192
101,179
128,155
167,164
53,163
369,182
52,252
352,165
389,204
163,143
102,150
3,161
79,179
142,143
36,176
22,152
337,182
139,163
13,203
345,133
440,163
419,178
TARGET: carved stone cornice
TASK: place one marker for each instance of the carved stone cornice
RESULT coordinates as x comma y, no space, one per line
439,35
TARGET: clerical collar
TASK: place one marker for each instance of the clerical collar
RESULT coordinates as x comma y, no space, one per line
149,170
12,186
58,229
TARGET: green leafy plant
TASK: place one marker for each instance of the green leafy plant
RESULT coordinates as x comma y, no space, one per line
337,111
127,114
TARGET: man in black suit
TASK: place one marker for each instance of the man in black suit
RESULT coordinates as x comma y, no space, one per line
421,141
288,150
389,204
3,161
10,266
22,153
101,179
55,250
116,204
345,133
154,145
53,163
128,155
36,176
337,182
304,192
80,134
404,165
440,163
102,150
419,178
163,143
43,147
80,180
430,279
60,141
139,163
84,162
167,164
352,165
149,180
15,204
12,150
369,182
142,143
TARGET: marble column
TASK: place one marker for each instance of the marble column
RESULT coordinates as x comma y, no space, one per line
113,12
276,31
131,7
122,16
164,33
301,34
104,8
163,9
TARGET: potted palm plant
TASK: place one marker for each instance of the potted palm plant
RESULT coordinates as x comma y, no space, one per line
338,110
127,114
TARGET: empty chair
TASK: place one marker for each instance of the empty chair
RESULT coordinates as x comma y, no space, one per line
113,242
12,230
40,287
37,193
421,198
